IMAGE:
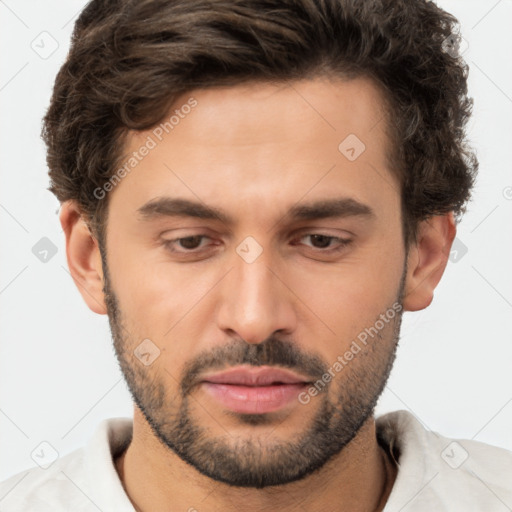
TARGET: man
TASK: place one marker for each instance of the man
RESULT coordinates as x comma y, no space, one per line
255,192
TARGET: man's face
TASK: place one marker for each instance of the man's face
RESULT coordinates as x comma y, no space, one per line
260,289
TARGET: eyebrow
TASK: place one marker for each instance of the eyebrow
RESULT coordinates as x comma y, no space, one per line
326,208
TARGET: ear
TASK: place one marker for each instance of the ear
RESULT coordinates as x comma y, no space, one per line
427,259
84,258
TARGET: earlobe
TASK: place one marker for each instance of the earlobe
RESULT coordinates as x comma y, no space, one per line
83,256
427,260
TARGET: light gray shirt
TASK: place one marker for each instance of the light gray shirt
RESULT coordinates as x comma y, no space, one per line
434,473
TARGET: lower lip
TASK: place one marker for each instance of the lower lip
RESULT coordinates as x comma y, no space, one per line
254,399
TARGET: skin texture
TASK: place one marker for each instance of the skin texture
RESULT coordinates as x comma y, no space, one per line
254,151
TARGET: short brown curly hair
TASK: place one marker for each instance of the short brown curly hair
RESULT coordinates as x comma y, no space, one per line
130,59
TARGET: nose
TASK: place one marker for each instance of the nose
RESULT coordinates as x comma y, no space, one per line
255,300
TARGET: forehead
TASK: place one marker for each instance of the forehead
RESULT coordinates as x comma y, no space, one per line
275,142
257,113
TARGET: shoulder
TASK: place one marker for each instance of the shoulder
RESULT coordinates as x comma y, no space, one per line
450,474
83,480
54,488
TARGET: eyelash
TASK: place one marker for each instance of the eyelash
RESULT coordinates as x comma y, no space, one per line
343,243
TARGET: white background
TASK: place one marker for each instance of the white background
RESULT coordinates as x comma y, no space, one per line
58,373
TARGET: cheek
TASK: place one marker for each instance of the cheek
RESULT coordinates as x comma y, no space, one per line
156,296
349,296
163,302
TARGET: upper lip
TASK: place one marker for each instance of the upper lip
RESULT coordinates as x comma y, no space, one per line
255,376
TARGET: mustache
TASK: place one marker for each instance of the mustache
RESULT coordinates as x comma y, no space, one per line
271,352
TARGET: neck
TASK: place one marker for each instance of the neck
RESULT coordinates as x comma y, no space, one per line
359,478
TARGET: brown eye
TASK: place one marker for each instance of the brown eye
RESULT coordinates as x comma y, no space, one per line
324,242
321,241
185,244
190,242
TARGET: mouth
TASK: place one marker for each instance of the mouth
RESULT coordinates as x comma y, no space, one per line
254,390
